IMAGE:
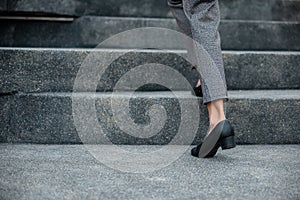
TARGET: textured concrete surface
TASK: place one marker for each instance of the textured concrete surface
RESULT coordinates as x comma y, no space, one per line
147,8
89,31
260,35
230,9
259,117
286,10
262,70
71,172
5,102
54,70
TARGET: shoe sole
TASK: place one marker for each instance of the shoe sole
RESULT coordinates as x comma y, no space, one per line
211,140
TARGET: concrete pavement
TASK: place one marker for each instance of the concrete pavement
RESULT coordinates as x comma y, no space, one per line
30,171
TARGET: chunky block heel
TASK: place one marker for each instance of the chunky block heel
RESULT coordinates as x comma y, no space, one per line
228,142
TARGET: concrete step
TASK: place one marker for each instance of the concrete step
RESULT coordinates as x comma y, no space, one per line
90,31
286,10
259,117
71,172
55,70
274,10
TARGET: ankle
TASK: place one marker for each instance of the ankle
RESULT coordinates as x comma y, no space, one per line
214,122
198,83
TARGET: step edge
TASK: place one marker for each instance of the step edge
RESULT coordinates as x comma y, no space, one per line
120,50
233,94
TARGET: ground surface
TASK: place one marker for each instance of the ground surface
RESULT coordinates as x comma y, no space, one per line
71,172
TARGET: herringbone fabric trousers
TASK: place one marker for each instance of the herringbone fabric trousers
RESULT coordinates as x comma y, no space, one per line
200,19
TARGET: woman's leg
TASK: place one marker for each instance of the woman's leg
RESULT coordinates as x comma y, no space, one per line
204,18
216,113
176,7
183,22
200,20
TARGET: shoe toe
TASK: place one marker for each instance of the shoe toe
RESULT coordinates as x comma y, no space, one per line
195,150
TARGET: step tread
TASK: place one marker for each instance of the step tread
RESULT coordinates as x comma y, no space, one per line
101,49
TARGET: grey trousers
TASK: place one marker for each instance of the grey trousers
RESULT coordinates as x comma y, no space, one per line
200,19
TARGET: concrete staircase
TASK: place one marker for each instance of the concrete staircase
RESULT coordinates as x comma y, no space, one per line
43,44
37,88
38,81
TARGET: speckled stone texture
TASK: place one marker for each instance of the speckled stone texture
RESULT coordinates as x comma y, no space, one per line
273,10
287,10
5,111
260,35
85,32
259,117
54,70
47,118
262,70
133,8
71,172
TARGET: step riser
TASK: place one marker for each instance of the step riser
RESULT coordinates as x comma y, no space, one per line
5,102
48,119
274,10
54,70
259,36
237,9
85,32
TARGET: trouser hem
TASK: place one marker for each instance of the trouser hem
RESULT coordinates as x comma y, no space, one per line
206,101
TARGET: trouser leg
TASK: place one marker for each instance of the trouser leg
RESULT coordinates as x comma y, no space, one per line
202,17
183,23
176,7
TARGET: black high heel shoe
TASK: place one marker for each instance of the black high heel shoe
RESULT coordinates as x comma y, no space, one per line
221,136
198,91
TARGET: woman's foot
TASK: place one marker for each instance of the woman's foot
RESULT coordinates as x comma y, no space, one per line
219,127
222,135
